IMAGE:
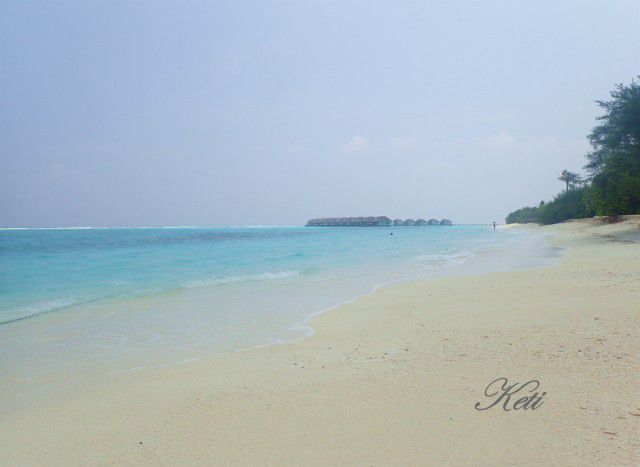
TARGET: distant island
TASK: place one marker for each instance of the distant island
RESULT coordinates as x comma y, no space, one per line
372,221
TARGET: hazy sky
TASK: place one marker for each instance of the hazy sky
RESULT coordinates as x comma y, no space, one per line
227,113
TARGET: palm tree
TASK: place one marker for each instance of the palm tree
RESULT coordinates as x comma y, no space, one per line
570,178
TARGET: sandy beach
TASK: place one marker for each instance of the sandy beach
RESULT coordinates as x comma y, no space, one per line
391,379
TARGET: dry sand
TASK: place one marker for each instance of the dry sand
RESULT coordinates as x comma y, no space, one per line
391,379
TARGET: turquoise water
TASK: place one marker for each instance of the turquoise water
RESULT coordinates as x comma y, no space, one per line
76,303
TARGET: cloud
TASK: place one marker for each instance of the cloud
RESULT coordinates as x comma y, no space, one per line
405,143
355,144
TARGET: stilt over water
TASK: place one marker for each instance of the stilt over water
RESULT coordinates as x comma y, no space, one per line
379,221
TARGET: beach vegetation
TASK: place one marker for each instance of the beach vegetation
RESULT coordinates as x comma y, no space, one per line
568,204
614,162
570,178
612,186
524,215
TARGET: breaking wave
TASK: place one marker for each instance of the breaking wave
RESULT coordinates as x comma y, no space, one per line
240,278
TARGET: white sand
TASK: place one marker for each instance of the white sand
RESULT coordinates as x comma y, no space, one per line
391,379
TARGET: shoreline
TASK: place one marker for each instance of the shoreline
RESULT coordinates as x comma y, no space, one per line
388,378
451,270
484,260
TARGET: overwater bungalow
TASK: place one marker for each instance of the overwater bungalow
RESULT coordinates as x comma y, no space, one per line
379,221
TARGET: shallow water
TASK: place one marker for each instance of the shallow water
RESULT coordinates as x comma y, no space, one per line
81,303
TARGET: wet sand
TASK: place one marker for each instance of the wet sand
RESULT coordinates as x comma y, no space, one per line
391,378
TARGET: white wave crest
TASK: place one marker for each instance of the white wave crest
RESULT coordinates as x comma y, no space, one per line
18,314
443,259
240,278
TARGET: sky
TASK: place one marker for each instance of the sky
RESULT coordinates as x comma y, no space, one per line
153,113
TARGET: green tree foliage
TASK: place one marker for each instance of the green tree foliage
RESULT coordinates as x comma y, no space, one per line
566,205
614,163
524,215
570,178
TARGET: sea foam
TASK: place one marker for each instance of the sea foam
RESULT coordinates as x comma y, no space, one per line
240,278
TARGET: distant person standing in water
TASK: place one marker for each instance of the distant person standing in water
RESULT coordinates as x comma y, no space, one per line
494,225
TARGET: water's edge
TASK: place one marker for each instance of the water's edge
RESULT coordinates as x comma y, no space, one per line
530,251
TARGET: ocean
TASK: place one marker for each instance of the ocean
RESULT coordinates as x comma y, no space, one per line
92,302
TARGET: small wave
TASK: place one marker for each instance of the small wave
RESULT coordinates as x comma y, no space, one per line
115,282
443,259
38,309
261,226
241,278
48,228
